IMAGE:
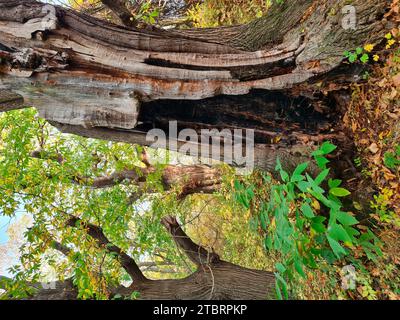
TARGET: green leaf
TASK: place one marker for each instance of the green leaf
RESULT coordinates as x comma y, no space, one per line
300,169
364,58
352,57
307,211
268,243
280,267
299,268
338,233
328,148
339,192
281,287
322,176
334,183
297,178
318,225
321,161
346,219
314,185
336,247
303,186
391,161
284,175
278,166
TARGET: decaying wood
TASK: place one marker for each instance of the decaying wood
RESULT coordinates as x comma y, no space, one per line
10,101
78,70
99,80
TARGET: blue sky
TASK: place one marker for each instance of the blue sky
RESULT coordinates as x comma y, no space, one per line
4,222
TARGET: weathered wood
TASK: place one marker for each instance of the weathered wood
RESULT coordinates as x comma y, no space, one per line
174,65
10,101
100,80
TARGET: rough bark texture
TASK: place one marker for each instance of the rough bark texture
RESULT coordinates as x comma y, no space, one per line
189,179
214,279
118,7
97,79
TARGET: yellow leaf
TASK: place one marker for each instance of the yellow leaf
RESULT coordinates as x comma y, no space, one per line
315,204
369,47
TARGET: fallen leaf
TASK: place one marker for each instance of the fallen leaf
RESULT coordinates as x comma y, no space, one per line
373,148
396,79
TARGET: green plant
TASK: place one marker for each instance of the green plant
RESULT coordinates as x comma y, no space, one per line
147,13
305,223
357,55
392,159
382,204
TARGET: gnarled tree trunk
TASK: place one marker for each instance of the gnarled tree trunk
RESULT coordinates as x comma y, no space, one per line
214,279
101,80
96,79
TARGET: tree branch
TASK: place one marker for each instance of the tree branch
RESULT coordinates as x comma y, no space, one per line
126,261
60,247
99,182
148,264
45,155
197,254
192,178
118,7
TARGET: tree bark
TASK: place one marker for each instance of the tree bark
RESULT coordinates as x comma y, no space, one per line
214,279
188,179
96,79
99,80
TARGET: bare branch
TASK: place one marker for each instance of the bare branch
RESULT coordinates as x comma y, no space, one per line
197,254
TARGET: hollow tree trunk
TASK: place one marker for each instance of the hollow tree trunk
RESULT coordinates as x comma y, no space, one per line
100,80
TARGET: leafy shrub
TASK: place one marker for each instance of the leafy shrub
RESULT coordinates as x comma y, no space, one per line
304,221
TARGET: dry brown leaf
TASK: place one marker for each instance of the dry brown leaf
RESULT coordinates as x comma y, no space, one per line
373,148
396,79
